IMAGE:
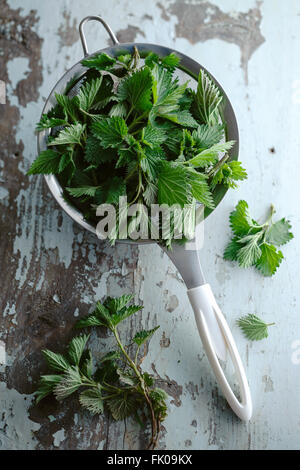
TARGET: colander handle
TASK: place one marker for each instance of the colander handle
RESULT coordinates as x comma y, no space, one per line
83,38
206,309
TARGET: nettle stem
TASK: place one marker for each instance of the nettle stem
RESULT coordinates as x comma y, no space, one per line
155,427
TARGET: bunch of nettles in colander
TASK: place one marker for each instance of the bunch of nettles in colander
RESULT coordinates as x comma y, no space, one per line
134,130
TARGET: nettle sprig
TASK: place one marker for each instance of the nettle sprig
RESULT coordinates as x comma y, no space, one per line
118,383
135,130
255,244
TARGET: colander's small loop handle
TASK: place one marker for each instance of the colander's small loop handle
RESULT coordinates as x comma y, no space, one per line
83,38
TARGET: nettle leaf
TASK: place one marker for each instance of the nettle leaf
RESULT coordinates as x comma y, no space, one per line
92,400
184,118
69,135
70,383
117,303
153,135
89,320
110,131
166,96
110,356
86,363
269,260
200,189
253,327
100,61
207,99
83,191
150,193
240,220
48,162
88,93
125,312
173,185
250,251
279,232
116,189
122,406
136,89
47,122
127,378
205,136
228,174
76,348
142,336
151,163
46,386
119,110
231,250
56,361
94,152
210,155
69,106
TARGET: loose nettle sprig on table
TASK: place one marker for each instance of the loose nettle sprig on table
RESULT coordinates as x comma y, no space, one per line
116,382
255,244
133,130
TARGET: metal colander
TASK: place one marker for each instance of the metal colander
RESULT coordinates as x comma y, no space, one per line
70,83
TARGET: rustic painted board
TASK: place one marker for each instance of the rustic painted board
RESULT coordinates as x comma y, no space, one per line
52,271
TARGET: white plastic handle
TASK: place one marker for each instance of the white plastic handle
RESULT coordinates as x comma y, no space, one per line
208,318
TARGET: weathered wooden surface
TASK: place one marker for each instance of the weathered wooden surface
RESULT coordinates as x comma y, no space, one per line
51,270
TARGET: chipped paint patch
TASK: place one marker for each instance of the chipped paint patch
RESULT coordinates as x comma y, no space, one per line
204,21
59,437
129,34
68,31
16,429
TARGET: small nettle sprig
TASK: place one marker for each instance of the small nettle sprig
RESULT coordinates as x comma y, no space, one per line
255,244
134,130
117,383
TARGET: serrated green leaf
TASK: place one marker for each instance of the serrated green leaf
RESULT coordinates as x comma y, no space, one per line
47,122
127,378
142,336
76,348
119,110
88,93
117,303
173,185
269,260
151,163
48,162
250,252
184,118
90,320
154,135
56,361
83,191
200,189
228,174
69,135
253,327
207,99
86,363
208,156
240,220
122,406
231,250
110,356
46,386
110,131
100,61
279,233
205,136
70,383
92,400
69,106
136,89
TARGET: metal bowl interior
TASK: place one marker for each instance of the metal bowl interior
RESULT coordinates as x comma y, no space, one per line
188,68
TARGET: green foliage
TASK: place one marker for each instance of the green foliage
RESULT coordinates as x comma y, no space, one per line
254,244
135,130
142,336
118,384
253,327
